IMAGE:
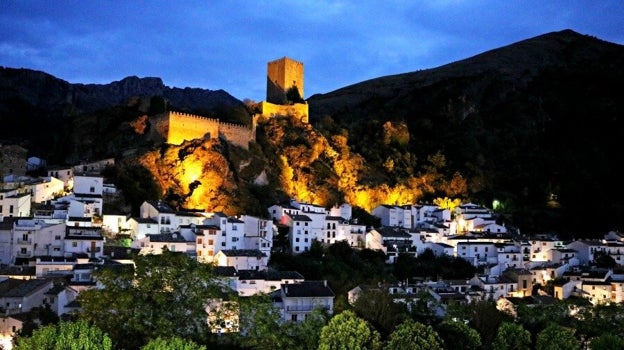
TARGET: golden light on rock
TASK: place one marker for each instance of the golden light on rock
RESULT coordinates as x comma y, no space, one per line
191,171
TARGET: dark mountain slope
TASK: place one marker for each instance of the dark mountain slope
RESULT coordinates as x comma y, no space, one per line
34,104
535,124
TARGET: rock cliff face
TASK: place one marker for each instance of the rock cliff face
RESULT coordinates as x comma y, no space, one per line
91,97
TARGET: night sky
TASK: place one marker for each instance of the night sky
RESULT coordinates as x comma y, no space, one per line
227,44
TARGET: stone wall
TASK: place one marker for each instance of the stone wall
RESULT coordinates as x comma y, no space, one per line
186,127
175,128
237,134
297,110
13,159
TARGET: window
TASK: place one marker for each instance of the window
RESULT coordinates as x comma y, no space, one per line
199,241
92,189
23,251
74,244
293,317
57,237
223,244
210,242
10,209
297,239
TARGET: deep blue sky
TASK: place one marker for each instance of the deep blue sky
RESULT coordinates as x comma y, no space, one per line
226,44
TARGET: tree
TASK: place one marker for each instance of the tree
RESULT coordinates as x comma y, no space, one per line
172,343
415,336
346,331
604,260
163,296
458,335
511,336
485,319
607,341
305,335
379,308
261,324
534,319
555,337
293,95
66,336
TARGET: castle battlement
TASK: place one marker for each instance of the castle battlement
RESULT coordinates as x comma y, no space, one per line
177,127
287,58
187,115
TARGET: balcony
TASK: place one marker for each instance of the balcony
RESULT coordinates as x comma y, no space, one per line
26,254
24,241
304,308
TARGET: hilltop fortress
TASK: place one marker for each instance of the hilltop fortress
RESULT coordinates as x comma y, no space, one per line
284,98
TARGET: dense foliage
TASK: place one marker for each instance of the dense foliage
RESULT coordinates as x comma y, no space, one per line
162,302
163,296
66,336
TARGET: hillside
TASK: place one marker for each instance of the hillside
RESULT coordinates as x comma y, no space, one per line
534,125
34,104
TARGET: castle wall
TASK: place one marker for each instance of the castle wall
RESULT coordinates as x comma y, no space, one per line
175,127
184,127
282,74
297,110
237,134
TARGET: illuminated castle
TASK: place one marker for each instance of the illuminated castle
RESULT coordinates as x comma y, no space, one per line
176,127
285,90
284,98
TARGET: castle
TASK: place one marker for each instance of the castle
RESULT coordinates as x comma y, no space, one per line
284,80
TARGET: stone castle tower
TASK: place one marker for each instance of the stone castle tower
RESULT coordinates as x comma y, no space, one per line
282,75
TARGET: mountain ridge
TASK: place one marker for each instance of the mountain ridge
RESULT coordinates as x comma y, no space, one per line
385,85
534,125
